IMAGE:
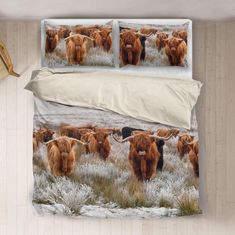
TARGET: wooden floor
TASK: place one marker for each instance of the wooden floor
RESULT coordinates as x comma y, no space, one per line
214,50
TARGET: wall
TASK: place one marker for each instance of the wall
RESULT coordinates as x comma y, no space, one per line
213,63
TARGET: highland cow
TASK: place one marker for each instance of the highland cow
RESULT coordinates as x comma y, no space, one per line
182,144
176,50
143,154
193,156
41,136
161,36
61,154
98,143
76,48
181,34
63,32
132,47
52,40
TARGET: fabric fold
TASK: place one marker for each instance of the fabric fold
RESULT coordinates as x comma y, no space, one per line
164,100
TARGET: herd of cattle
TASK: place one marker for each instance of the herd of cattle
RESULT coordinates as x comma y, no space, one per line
132,45
79,39
145,151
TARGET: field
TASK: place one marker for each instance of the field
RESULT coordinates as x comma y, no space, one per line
108,189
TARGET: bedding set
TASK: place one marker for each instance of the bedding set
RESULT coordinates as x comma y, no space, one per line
115,131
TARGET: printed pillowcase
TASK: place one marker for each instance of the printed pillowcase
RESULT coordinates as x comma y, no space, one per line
153,44
77,42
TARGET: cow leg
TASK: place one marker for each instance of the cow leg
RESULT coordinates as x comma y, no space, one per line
160,163
152,169
135,164
143,168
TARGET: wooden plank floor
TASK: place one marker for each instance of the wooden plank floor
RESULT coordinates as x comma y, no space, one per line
213,60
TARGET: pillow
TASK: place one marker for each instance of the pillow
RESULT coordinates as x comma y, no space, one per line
154,43
76,42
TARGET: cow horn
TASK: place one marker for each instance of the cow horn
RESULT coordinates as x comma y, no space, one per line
48,142
192,142
78,34
144,35
161,138
123,140
79,141
182,134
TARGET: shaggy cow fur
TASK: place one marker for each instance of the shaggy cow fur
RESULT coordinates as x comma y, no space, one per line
143,156
161,36
148,30
181,34
61,156
193,156
176,50
130,48
182,144
40,136
106,38
128,131
86,30
76,48
74,131
165,132
98,143
98,39
52,40
63,32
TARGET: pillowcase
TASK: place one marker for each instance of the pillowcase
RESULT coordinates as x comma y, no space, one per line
154,43
77,42
152,99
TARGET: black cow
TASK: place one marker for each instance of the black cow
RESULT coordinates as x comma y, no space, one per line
127,131
142,40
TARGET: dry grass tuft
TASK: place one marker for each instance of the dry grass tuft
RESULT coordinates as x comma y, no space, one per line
188,205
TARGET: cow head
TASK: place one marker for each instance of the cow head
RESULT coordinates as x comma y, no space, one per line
162,36
142,141
173,44
51,34
175,132
131,43
194,146
185,138
180,34
100,137
44,134
105,34
64,32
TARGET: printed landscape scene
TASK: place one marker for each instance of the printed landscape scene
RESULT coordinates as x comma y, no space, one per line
67,45
76,174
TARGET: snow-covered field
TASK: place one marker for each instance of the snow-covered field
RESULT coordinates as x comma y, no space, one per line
107,188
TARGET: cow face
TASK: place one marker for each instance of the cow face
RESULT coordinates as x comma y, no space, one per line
63,145
100,137
44,134
141,143
173,44
63,32
51,34
162,36
186,139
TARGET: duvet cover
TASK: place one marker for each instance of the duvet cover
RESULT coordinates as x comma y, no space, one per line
108,151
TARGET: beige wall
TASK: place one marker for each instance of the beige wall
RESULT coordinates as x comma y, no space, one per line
214,47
